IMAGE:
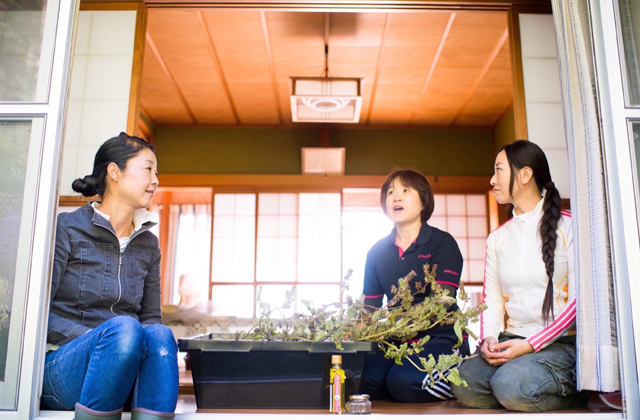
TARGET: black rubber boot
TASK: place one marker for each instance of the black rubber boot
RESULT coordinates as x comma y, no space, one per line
85,413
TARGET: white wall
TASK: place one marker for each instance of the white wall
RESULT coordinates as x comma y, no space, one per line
542,94
100,86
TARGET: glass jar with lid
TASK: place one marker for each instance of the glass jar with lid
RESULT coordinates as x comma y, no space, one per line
359,404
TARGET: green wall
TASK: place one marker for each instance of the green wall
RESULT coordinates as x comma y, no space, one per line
368,151
505,130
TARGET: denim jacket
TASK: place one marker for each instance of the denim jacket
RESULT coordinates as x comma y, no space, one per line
93,282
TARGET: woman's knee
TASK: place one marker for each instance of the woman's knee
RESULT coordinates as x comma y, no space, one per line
516,387
477,392
127,335
160,338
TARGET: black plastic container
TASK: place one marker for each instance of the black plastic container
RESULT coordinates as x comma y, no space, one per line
269,374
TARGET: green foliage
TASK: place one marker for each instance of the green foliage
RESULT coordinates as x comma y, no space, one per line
392,325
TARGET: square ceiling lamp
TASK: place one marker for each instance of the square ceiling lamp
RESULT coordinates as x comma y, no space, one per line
326,99
323,160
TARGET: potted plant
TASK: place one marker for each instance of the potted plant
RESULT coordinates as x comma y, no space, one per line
284,363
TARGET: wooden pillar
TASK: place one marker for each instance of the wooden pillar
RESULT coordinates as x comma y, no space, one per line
517,76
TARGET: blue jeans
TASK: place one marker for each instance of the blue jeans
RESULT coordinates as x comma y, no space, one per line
540,381
103,367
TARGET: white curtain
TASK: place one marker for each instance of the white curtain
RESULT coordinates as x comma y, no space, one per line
192,254
168,259
596,324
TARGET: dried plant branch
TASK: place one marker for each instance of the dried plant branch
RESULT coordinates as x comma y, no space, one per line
392,326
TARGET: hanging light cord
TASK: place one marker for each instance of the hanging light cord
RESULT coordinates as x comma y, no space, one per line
326,60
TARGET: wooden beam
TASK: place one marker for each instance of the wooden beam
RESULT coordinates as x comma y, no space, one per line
214,56
272,69
517,76
385,33
148,129
483,74
434,63
136,70
172,79
315,183
346,5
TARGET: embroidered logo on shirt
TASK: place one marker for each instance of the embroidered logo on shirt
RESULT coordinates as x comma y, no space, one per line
451,272
424,256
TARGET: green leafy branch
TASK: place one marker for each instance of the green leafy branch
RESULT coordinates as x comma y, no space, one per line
394,326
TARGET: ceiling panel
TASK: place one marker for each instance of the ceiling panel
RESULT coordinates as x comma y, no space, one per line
253,77
158,97
255,103
356,29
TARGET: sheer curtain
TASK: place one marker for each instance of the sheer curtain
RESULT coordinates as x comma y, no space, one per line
191,250
596,322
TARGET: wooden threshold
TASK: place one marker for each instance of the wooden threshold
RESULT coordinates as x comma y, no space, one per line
187,404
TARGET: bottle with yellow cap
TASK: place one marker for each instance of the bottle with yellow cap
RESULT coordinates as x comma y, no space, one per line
336,381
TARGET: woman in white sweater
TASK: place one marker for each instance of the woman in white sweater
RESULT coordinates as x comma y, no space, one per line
527,353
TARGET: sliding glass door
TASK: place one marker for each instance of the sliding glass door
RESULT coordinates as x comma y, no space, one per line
35,40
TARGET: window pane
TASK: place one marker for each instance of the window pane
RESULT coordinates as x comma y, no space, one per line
245,204
267,225
438,221
232,301
476,205
630,31
288,203
224,205
268,204
318,296
267,248
456,205
477,227
476,270
233,238
319,253
477,248
275,297
309,204
266,270
457,226
18,183
309,226
360,231
223,226
245,226
288,225
277,238
440,205
22,26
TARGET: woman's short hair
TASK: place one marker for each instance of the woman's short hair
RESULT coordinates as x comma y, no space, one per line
412,179
117,150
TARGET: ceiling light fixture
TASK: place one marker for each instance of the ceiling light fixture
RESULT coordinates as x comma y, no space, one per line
326,99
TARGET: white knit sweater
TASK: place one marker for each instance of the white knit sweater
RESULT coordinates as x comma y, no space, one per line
516,280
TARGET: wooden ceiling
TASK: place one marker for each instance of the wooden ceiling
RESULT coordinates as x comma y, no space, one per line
232,68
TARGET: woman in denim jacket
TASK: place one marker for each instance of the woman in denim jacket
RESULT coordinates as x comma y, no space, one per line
105,339
529,363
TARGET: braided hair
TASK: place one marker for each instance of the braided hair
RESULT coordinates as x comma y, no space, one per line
117,150
523,153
